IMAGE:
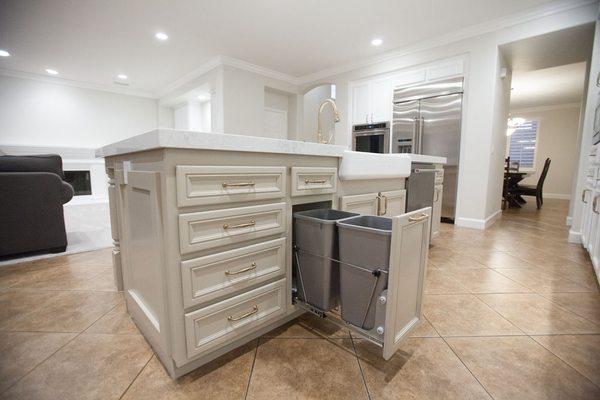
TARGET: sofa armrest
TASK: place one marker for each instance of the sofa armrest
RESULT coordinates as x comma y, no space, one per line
66,191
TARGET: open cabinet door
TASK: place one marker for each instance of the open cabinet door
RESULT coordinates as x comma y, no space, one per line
408,261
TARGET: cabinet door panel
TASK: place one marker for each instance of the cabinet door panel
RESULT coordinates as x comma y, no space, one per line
366,204
392,203
381,100
408,263
361,103
436,215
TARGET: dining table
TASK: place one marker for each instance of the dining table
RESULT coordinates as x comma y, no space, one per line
512,178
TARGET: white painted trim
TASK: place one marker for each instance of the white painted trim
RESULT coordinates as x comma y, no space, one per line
190,76
574,237
569,220
560,196
546,108
257,69
481,224
451,37
118,89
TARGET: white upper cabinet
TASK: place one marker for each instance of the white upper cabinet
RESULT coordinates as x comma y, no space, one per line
372,101
381,100
361,103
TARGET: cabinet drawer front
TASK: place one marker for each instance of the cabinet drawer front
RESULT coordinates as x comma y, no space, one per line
206,229
197,185
209,277
219,324
313,180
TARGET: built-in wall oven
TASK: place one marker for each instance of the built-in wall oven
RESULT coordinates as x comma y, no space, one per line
371,138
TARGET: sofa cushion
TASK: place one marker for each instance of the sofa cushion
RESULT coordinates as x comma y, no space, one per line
38,163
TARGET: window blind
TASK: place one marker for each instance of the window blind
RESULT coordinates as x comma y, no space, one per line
523,144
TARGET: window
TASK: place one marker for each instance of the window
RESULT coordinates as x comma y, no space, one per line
522,144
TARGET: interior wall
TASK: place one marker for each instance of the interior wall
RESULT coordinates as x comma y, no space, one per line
474,183
40,113
557,138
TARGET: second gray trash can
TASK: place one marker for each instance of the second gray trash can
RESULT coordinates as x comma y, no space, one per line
364,254
315,236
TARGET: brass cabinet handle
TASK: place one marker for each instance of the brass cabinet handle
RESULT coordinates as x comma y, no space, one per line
246,315
308,181
241,271
247,224
583,195
594,204
239,184
419,218
437,195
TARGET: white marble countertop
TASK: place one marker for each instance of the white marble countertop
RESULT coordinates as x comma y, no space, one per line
178,139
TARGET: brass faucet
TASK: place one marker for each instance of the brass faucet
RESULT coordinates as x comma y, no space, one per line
336,118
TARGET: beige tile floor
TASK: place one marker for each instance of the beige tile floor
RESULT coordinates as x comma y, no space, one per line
510,313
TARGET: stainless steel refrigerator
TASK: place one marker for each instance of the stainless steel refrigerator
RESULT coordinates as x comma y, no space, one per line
426,120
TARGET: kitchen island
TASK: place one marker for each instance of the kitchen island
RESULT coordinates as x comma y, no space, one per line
203,229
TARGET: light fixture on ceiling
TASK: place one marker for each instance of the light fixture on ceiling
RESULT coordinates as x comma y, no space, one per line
51,71
377,42
4,53
161,36
122,77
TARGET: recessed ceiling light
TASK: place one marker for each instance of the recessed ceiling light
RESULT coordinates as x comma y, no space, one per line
4,53
51,71
161,36
377,42
122,77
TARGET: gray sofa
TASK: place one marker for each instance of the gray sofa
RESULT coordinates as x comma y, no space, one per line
32,194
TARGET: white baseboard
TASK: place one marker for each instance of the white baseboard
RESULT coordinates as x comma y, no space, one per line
574,237
569,220
560,196
481,224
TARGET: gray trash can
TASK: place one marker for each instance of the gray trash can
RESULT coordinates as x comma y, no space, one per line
315,235
364,251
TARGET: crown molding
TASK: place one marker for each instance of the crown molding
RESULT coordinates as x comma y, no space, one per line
452,37
551,107
269,73
190,76
78,84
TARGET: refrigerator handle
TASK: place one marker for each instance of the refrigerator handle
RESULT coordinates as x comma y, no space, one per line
421,125
415,136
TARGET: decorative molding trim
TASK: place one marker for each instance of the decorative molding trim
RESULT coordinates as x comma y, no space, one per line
574,237
451,37
569,220
190,76
78,84
546,108
560,196
257,69
480,224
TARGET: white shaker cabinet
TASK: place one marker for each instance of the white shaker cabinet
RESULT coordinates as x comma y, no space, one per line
388,204
372,101
436,213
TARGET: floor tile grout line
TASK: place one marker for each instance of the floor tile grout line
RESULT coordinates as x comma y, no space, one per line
566,308
57,350
362,374
252,368
564,361
500,315
460,359
152,355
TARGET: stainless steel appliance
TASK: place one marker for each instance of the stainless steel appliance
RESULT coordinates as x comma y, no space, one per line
420,187
371,138
426,120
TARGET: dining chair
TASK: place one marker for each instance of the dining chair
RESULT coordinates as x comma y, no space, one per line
537,190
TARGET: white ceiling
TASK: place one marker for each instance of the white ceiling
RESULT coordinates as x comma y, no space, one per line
92,41
548,86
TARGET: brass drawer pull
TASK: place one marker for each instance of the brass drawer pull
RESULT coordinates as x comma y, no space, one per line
309,181
419,218
594,204
385,204
239,184
249,313
241,271
583,195
247,224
